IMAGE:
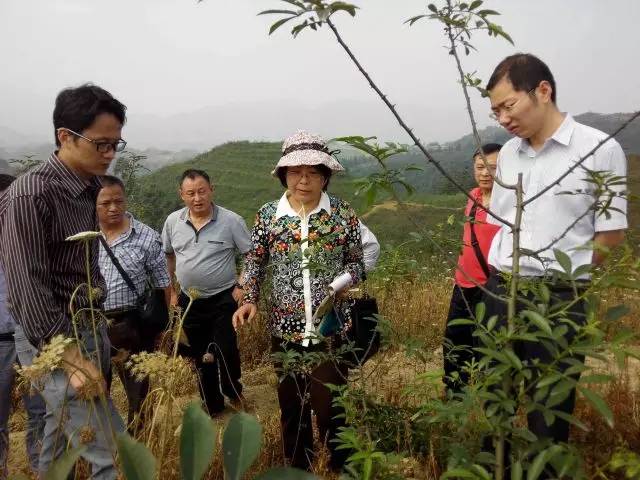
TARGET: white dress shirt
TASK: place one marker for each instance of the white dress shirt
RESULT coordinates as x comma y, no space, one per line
549,216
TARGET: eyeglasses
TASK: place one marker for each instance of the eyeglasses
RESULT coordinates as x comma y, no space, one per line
297,174
102,147
495,115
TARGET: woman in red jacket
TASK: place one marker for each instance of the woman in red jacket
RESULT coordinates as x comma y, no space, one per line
472,271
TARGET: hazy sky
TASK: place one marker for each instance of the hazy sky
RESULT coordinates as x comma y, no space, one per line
168,59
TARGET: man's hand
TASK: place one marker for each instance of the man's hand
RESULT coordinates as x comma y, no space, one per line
82,372
244,314
238,294
173,300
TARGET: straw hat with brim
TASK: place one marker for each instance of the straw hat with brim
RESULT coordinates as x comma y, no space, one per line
304,148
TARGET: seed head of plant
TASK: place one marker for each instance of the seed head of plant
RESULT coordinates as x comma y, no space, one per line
162,370
83,236
193,293
49,358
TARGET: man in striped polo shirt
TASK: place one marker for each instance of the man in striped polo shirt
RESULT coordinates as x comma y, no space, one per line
40,210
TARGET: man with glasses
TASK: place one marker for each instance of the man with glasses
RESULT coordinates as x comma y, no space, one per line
40,210
548,143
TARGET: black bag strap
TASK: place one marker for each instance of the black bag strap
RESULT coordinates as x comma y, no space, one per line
474,241
116,263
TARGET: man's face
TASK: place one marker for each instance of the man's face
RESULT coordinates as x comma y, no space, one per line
517,111
82,155
111,205
482,174
197,193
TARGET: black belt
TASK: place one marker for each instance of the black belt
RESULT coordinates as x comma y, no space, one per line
118,313
6,337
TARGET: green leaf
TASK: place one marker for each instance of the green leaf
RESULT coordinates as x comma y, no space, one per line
615,313
537,466
460,321
475,4
269,12
564,260
538,320
60,469
516,470
136,460
241,444
279,23
599,404
197,442
286,473
432,7
413,20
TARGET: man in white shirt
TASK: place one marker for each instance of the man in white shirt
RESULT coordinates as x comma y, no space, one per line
548,143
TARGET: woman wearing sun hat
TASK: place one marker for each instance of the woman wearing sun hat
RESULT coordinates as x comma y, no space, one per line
309,242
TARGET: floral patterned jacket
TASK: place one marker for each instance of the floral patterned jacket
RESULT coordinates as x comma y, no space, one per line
303,256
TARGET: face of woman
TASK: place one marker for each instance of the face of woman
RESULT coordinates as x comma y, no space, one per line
305,183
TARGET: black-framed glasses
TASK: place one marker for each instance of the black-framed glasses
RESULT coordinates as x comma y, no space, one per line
495,115
102,147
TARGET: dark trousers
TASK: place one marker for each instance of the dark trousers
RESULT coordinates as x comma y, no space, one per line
126,332
300,393
529,352
458,339
209,329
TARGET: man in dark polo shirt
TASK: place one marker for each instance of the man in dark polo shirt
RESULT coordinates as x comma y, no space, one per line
201,241
38,212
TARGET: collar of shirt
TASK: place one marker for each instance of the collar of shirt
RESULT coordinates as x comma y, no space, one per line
285,210
127,233
70,179
562,136
186,218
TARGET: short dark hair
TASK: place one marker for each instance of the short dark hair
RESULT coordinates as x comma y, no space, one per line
5,181
112,181
525,72
193,173
487,149
77,108
325,171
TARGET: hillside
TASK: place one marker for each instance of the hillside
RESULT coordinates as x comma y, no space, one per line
241,173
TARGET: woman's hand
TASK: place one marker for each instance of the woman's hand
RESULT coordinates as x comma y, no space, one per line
245,313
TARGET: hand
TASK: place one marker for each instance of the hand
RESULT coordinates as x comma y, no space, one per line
238,294
174,298
82,372
244,314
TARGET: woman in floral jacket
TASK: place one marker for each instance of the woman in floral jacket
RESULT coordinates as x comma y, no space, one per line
309,242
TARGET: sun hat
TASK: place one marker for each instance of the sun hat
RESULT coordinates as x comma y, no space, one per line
304,148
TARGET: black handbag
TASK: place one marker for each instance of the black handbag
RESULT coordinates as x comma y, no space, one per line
364,332
151,305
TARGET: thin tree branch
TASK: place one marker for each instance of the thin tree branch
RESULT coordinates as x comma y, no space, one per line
582,160
406,128
454,52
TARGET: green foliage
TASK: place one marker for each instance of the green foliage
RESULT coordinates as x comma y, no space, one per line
197,442
62,467
136,460
626,462
241,444
313,13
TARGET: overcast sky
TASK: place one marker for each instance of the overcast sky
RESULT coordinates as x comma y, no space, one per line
197,74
